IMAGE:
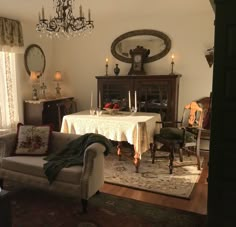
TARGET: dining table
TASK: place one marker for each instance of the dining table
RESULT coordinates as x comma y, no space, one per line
136,128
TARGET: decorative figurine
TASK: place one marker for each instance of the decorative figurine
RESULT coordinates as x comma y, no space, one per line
43,89
35,94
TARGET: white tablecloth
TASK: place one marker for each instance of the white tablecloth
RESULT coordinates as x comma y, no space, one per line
135,128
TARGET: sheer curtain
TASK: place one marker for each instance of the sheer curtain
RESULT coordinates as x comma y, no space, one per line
11,41
9,115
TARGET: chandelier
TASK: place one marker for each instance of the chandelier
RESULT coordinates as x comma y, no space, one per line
64,24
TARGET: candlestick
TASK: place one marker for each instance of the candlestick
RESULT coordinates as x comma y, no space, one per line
43,13
135,100
129,100
80,11
91,101
172,64
89,15
106,66
43,88
99,100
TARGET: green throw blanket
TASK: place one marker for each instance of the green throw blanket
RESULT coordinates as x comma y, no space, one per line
73,154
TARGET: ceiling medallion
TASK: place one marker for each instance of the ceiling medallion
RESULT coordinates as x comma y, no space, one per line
64,24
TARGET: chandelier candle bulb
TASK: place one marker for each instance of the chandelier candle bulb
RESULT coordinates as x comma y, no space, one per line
80,11
135,100
89,15
43,13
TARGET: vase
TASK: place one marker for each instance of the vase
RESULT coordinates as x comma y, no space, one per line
116,70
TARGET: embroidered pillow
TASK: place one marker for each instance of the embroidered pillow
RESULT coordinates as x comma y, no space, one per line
32,140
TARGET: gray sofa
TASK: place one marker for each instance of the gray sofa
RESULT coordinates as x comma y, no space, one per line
79,181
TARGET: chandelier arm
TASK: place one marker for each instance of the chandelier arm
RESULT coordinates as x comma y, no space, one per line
64,22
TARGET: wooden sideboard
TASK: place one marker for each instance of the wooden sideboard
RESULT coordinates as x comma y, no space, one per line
155,93
41,112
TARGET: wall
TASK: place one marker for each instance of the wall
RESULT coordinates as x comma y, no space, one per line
23,83
191,33
191,30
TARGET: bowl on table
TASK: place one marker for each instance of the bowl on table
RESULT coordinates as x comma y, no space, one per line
111,111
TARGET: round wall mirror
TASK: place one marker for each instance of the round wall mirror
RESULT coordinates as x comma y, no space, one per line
34,59
157,42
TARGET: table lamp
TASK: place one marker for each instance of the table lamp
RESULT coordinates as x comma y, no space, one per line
34,81
58,78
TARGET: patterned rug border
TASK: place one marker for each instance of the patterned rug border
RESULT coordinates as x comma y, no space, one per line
187,197
152,191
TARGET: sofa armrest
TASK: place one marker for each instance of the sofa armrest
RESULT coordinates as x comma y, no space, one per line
7,144
93,170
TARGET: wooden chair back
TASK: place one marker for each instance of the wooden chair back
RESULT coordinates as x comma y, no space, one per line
192,115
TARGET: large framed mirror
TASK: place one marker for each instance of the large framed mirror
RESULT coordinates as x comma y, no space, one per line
34,59
157,42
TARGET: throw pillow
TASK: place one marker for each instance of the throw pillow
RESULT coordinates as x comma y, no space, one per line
32,140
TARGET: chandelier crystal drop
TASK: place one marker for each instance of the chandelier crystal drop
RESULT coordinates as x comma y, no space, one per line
64,24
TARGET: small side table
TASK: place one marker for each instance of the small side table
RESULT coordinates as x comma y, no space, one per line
5,209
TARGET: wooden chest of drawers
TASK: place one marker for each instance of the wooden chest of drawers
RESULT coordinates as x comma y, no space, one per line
43,112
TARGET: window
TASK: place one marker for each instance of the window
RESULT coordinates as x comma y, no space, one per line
9,115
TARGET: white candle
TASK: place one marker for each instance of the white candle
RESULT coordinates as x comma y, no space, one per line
43,13
99,100
172,57
89,15
80,11
135,100
91,101
129,100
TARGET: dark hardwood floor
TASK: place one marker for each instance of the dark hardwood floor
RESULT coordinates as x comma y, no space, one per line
197,203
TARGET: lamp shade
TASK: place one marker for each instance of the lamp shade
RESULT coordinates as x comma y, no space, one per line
57,76
33,76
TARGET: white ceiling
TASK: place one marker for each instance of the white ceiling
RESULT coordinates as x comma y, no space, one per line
28,10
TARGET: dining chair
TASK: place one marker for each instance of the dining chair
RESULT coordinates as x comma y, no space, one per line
65,107
205,103
181,136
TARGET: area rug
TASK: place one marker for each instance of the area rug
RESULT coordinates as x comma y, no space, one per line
35,208
153,177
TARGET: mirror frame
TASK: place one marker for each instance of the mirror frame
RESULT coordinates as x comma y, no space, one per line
28,49
150,32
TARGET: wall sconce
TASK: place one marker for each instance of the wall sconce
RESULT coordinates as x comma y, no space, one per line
209,54
58,78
